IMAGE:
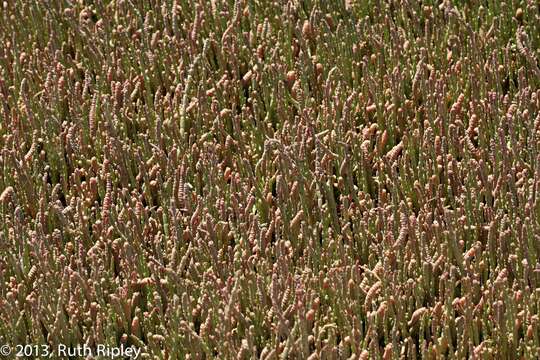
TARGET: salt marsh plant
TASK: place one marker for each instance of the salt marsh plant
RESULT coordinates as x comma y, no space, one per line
272,179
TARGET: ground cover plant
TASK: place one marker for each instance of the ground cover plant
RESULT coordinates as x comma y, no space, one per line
272,179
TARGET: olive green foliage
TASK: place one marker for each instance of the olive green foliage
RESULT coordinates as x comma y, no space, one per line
272,179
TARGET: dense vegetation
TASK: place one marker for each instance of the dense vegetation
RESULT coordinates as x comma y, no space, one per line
270,179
